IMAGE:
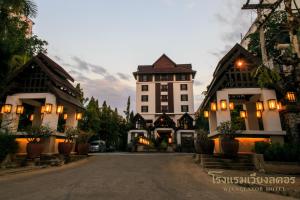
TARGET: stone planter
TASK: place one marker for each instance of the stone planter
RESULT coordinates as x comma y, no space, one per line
230,147
65,148
34,150
83,149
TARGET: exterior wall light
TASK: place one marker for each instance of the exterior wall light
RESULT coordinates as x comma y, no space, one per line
291,96
206,114
169,140
20,109
272,104
59,109
78,116
240,63
48,108
43,109
31,117
213,106
65,116
259,106
243,114
231,106
279,106
223,104
7,108
258,114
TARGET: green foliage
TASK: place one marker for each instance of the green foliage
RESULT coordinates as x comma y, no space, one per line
228,129
261,147
276,152
203,144
71,134
163,145
8,144
266,77
83,137
36,133
201,123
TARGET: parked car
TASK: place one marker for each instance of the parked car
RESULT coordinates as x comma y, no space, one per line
97,146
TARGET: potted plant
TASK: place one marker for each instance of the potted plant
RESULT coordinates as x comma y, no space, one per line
82,142
230,146
66,146
35,146
204,145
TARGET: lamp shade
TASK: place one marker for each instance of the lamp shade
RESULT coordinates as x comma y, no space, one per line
272,104
7,108
258,114
206,114
243,114
259,105
20,109
59,109
231,106
213,106
279,105
31,117
291,96
223,104
169,140
65,116
43,109
48,108
78,116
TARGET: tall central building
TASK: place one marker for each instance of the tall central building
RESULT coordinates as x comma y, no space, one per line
164,94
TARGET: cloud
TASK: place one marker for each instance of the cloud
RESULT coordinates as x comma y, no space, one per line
197,83
82,65
122,76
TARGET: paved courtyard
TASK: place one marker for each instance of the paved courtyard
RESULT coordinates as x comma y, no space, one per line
123,176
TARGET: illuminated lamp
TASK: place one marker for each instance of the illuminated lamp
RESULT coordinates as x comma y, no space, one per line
240,63
279,105
231,106
59,109
258,114
31,117
78,116
243,114
170,140
48,108
291,96
141,140
259,105
7,108
2,109
223,104
43,109
213,106
20,109
206,114
272,104
65,116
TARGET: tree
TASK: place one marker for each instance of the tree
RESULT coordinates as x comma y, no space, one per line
127,111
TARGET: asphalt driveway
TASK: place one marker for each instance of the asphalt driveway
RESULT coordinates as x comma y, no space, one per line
126,177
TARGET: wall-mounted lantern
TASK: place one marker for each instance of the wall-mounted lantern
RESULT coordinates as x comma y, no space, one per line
279,106
223,104
169,140
6,108
213,106
258,114
243,114
259,106
59,109
272,104
43,109
65,116
31,117
78,116
20,109
291,96
240,63
231,106
206,114
48,108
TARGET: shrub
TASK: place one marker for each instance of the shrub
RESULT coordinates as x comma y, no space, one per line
8,144
203,144
261,147
163,145
83,137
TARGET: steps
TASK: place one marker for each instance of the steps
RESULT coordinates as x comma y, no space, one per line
241,162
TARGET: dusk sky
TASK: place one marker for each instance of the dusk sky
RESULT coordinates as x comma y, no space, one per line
101,42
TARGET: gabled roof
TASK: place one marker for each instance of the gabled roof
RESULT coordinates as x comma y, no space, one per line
164,65
224,64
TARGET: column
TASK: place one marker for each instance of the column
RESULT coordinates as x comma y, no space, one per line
251,121
11,120
51,119
71,121
222,115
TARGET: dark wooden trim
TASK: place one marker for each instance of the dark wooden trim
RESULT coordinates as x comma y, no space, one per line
157,98
170,97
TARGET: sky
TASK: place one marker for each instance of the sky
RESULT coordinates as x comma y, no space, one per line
101,42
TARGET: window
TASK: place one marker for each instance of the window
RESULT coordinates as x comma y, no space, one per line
144,109
182,77
144,98
144,87
184,97
164,98
144,78
164,109
164,88
183,86
184,108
